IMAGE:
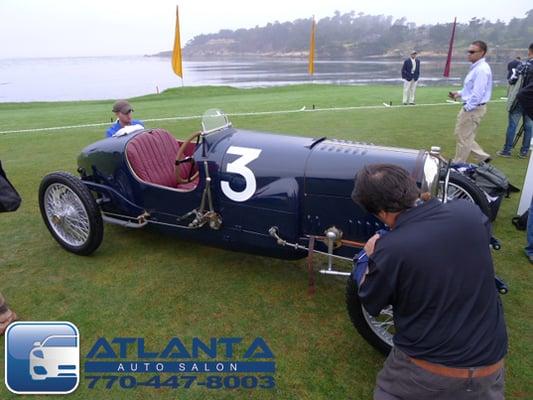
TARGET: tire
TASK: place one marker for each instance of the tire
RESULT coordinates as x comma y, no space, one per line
70,213
366,325
378,331
462,187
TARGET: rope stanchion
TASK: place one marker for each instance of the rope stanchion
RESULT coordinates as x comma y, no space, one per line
244,114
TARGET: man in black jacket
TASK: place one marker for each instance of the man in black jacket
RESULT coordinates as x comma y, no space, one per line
410,75
435,268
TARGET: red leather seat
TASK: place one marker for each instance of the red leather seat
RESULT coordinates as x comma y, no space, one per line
152,157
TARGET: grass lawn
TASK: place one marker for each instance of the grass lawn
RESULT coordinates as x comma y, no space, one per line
140,283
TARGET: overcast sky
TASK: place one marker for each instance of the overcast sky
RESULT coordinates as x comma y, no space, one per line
56,28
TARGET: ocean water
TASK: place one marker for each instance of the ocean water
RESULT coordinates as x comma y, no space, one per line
95,78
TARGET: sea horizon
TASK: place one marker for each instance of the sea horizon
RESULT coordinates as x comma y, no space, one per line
28,79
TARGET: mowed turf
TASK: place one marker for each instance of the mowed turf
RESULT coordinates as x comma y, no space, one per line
141,283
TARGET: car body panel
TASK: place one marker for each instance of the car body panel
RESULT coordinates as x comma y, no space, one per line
300,185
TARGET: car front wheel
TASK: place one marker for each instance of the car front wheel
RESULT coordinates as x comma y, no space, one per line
70,213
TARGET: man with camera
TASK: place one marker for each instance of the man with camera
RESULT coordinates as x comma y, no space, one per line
435,268
521,77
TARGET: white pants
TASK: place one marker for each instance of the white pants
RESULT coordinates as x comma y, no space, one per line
409,88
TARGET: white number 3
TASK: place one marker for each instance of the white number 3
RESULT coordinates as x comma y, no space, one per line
239,167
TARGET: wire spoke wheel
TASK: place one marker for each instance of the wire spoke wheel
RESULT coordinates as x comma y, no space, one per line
66,214
382,325
457,192
462,187
70,213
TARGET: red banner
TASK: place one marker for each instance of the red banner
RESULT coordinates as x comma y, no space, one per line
450,51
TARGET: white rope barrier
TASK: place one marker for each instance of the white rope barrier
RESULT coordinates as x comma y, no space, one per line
246,114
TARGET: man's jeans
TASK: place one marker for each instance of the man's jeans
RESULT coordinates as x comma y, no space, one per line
529,247
514,119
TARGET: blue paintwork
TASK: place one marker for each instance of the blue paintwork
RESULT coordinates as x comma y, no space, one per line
303,187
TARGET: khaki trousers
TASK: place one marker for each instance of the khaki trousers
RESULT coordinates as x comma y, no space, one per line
409,88
465,132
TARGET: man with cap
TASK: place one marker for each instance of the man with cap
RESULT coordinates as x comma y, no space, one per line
410,75
123,111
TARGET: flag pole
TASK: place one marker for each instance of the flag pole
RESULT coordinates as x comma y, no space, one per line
311,65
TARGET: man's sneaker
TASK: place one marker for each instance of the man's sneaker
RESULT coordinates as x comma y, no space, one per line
502,153
530,258
522,155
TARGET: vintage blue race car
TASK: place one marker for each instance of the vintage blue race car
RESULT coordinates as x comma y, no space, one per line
274,195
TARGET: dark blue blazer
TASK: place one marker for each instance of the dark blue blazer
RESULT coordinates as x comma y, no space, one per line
406,70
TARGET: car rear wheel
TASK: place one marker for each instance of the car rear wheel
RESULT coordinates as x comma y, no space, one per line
70,213
378,331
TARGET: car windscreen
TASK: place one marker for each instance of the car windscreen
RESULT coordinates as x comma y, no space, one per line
214,120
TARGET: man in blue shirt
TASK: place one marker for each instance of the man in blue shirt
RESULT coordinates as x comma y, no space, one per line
435,268
123,111
476,92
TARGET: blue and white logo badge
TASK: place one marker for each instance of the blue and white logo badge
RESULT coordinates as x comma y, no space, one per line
42,357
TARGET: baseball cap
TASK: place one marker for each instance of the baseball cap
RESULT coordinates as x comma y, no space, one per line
122,106
414,52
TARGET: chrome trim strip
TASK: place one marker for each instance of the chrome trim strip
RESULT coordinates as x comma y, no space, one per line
430,180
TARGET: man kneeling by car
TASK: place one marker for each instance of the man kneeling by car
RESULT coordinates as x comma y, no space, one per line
435,268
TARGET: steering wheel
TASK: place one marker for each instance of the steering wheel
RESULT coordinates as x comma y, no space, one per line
180,159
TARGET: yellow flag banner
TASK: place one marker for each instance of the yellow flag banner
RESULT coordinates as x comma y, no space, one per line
176,52
311,66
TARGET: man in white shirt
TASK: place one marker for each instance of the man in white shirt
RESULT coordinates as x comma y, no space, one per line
476,92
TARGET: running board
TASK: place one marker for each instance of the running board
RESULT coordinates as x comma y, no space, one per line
333,272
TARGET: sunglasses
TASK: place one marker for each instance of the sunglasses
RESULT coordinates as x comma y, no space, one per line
473,51
127,112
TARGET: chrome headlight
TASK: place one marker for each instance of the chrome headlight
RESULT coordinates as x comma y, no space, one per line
430,178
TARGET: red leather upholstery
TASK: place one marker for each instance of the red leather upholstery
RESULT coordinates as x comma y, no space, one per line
152,157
